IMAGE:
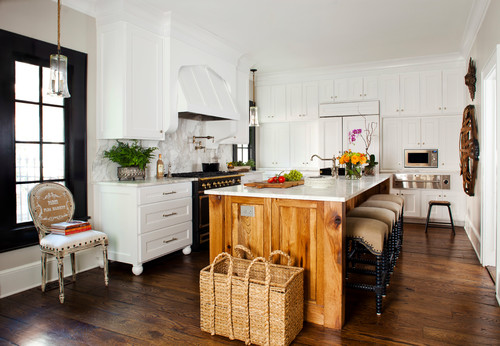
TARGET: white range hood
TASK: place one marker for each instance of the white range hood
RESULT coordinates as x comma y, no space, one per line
204,95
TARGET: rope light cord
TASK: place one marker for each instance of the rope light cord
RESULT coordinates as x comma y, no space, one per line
58,26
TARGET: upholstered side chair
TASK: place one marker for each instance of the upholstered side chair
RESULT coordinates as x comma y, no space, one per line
51,203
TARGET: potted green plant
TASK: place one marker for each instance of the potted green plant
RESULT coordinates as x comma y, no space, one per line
131,157
370,168
240,166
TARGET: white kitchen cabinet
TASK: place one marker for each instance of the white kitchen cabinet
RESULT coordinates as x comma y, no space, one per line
449,138
144,220
399,94
330,140
274,145
440,213
326,91
348,89
302,101
411,198
361,122
130,97
420,133
392,153
272,103
303,144
441,92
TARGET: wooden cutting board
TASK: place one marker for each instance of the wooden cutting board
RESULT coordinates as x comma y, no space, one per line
284,185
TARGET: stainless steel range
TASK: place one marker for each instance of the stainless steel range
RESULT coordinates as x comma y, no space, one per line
205,181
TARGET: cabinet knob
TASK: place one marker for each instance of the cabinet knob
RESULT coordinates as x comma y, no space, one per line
161,131
444,108
397,110
332,97
402,110
360,94
364,95
439,108
418,143
423,143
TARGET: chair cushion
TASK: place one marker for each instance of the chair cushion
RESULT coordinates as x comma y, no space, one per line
385,215
388,197
57,242
369,232
396,208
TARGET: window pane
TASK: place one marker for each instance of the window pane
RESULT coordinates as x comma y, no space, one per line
53,161
53,124
27,122
22,212
27,82
27,162
50,99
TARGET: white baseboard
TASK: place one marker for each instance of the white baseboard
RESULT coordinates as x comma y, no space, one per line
410,219
474,237
24,277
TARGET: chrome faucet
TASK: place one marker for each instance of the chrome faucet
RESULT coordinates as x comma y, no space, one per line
335,172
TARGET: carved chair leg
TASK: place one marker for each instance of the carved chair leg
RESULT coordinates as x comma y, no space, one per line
105,263
44,270
60,270
73,266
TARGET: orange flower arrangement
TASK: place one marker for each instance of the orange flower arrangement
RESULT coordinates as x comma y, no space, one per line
353,162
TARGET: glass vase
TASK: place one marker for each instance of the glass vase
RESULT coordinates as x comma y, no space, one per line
353,171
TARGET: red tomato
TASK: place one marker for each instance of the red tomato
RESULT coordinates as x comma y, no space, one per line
271,180
281,179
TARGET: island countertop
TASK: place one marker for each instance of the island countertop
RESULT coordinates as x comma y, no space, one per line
341,191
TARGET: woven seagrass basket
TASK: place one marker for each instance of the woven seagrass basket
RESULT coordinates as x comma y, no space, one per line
252,300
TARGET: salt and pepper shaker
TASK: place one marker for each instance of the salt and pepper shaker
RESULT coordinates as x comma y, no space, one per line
169,172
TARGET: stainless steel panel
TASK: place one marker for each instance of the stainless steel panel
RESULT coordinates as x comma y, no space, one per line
421,181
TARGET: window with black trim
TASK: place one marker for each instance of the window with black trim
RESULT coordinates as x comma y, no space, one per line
245,152
42,138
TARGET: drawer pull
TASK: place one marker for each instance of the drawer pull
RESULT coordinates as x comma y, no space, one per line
171,214
169,193
168,241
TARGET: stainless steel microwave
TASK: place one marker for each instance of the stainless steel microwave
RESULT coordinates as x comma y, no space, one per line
423,158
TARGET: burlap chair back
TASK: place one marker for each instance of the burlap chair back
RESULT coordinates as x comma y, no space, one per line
50,203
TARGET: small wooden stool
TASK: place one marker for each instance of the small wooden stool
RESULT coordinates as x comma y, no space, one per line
439,224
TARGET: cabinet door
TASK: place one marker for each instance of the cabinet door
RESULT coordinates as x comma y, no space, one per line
326,91
330,134
303,144
449,137
392,153
310,103
437,212
409,91
370,88
412,202
278,101
429,133
281,145
453,91
294,110
410,133
263,101
341,90
389,95
431,99
355,89
266,145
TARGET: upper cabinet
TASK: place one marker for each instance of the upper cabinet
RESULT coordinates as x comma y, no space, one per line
348,89
399,94
130,96
302,101
303,144
441,92
271,101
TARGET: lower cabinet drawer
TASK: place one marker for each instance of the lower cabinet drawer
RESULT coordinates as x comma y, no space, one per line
163,214
166,240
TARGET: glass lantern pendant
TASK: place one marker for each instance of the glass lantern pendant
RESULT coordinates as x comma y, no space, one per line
254,116
58,83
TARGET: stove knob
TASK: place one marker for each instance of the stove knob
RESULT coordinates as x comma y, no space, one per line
208,185
204,185
226,182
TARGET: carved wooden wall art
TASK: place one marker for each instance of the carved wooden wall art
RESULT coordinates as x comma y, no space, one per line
470,79
469,150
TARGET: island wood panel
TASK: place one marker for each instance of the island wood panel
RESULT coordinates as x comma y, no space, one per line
383,187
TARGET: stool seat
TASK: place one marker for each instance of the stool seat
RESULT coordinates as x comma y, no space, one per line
446,203
388,197
381,214
371,233
439,224
394,207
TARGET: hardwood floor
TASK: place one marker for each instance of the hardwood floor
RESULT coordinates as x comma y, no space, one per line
439,295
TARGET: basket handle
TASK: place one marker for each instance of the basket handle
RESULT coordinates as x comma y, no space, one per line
267,283
216,260
279,252
244,249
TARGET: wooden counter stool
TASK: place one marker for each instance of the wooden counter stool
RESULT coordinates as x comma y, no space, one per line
439,224
388,217
370,234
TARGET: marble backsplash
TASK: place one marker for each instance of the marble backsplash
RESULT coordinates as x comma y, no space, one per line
177,150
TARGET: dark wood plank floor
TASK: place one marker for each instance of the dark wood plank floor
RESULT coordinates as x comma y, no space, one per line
439,295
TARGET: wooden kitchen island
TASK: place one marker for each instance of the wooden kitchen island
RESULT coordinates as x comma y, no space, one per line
307,223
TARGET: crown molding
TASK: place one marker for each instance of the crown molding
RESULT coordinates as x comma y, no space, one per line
87,7
473,24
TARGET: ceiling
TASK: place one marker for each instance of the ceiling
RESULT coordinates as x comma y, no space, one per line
279,35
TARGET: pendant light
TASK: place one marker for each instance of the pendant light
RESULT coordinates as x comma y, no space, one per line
58,83
254,114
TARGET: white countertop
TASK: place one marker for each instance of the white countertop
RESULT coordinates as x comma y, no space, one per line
341,191
146,182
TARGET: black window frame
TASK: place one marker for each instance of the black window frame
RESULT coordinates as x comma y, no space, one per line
17,47
251,144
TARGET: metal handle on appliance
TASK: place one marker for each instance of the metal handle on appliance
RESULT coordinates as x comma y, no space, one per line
171,214
168,241
169,193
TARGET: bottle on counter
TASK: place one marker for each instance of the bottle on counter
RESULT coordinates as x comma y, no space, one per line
160,168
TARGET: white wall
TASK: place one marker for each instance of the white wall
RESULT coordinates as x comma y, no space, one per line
38,19
484,46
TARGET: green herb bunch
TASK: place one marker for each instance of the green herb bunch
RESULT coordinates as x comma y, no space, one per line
127,155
